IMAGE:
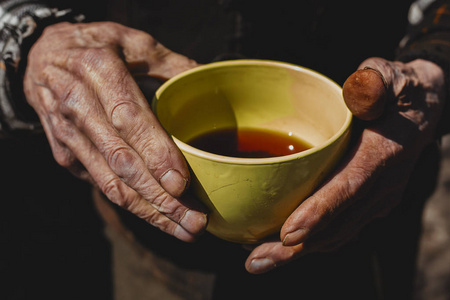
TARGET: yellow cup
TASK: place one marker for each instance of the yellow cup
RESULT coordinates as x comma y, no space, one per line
250,198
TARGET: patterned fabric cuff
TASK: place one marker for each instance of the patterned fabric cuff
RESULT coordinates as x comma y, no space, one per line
21,24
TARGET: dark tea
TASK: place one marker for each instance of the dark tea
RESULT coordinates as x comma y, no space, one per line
249,143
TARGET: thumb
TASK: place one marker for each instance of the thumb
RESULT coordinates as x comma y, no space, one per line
144,55
366,91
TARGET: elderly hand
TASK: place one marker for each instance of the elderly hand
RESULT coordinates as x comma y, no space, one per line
99,125
371,179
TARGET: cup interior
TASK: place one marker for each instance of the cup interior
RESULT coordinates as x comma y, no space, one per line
252,94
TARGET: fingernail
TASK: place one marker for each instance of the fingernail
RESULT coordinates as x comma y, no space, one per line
194,221
379,74
184,235
261,265
295,237
173,182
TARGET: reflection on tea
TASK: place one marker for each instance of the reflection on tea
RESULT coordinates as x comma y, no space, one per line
249,143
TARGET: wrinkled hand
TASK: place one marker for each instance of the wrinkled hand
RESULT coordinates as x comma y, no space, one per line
99,125
370,181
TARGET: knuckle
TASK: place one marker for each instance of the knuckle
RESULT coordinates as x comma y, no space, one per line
48,75
75,107
136,179
154,148
148,41
95,62
52,29
159,221
59,32
174,212
61,132
114,190
64,156
159,201
319,213
94,58
123,113
61,129
97,31
69,105
120,156
162,161
358,178
122,161
68,99
167,206
138,134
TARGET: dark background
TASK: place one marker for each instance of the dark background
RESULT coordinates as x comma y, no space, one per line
51,239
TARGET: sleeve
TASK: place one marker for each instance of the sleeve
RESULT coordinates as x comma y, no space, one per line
21,23
428,37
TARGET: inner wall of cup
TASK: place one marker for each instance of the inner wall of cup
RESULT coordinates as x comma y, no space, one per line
285,99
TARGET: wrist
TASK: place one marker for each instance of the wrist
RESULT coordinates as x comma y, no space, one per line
432,79
22,24
439,56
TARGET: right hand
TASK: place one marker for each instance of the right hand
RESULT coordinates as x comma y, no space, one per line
100,126
404,102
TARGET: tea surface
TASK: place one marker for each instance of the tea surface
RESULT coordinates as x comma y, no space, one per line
249,143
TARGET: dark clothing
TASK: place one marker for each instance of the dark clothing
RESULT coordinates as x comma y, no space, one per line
50,224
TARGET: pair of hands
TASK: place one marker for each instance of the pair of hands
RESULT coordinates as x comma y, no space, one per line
79,79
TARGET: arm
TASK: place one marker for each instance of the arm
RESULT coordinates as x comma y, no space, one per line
78,80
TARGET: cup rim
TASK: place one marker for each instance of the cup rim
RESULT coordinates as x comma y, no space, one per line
253,161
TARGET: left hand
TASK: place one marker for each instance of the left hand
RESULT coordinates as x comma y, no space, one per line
371,179
80,81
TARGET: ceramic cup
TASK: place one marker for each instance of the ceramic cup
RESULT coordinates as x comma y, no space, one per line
250,198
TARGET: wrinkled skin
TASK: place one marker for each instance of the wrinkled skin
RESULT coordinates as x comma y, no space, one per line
99,125
79,81
370,182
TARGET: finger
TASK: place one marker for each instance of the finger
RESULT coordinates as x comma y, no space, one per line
339,232
122,160
349,184
274,254
368,91
118,192
271,255
347,225
63,155
142,53
376,86
365,93
137,125
145,55
128,112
